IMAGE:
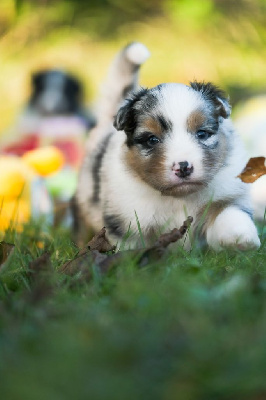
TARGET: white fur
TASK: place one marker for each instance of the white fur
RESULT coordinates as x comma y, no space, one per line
181,147
129,194
233,228
178,102
258,195
225,183
250,122
120,75
125,194
137,53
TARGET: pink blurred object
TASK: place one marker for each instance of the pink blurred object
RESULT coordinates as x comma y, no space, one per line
27,143
67,133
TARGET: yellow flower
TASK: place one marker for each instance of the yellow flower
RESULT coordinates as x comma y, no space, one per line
14,213
44,160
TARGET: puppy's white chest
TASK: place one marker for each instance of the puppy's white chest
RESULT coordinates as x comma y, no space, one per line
144,208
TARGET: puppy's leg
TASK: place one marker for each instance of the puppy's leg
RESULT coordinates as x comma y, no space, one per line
232,228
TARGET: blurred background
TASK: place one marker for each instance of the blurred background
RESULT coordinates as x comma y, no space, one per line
218,40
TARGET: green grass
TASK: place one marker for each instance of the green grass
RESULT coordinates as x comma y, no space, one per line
191,326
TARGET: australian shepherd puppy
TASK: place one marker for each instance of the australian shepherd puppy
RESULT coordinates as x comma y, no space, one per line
167,152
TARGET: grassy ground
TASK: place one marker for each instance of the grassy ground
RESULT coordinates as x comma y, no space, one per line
191,326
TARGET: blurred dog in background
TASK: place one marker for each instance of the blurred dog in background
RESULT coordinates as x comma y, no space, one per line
54,115
55,92
56,120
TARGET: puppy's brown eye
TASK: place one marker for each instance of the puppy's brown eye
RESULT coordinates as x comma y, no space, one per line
152,140
203,135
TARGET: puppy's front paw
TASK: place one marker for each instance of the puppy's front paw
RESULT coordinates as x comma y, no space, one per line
234,229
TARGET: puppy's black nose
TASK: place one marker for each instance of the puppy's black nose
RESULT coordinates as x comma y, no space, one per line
185,169
183,165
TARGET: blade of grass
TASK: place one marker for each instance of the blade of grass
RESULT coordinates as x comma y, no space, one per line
140,232
188,233
125,238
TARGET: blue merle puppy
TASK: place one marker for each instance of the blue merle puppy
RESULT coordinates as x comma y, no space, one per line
159,154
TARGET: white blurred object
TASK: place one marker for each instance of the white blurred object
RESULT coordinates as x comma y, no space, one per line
54,126
41,202
250,122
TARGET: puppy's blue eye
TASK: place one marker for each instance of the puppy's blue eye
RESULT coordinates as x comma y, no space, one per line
203,135
153,140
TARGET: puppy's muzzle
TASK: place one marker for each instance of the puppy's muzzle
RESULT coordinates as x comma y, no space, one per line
183,169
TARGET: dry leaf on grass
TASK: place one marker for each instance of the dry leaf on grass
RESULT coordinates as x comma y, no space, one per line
100,242
6,249
91,254
86,258
154,253
82,263
165,239
254,169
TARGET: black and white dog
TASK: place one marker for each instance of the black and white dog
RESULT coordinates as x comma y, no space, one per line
55,92
173,153
55,110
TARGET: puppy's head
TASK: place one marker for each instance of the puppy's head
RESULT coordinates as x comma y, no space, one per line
55,92
176,136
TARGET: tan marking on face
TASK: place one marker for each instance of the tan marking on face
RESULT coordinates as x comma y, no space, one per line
153,126
150,169
153,171
195,120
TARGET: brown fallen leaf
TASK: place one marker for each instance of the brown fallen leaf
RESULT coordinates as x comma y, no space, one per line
87,258
90,254
165,239
6,249
254,169
157,251
82,263
100,242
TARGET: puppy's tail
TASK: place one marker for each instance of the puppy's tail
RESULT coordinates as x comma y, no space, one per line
121,80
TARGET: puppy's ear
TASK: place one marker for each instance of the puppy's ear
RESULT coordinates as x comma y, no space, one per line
215,95
126,118
223,107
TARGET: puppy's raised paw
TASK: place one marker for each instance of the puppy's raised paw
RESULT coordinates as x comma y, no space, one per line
234,229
